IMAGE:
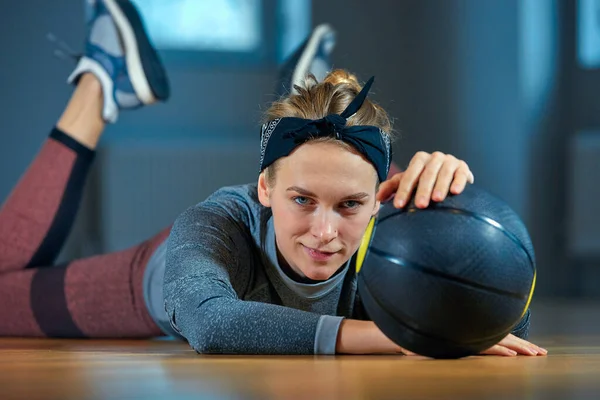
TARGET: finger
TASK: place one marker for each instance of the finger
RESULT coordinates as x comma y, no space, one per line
459,183
410,178
428,178
541,351
522,346
498,350
389,187
444,179
462,175
464,167
522,349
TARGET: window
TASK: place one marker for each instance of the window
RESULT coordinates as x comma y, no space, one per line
294,20
214,25
218,30
588,33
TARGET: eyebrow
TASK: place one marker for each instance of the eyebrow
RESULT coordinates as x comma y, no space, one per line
304,192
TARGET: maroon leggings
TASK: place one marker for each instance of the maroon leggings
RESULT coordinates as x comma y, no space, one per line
100,296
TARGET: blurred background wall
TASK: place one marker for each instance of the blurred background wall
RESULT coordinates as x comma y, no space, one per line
502,84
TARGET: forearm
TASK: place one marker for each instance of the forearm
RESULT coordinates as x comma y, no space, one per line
239,327
223,325
364,337
216,323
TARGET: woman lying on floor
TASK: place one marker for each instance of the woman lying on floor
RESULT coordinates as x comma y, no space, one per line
263,268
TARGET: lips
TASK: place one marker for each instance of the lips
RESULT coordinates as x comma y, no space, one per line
319,255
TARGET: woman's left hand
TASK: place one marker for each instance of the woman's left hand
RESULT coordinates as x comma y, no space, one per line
512,345
436,175
509,346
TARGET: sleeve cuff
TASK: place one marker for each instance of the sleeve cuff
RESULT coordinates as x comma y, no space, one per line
521,330
326,336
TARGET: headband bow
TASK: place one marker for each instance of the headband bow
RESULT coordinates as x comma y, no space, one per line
281,136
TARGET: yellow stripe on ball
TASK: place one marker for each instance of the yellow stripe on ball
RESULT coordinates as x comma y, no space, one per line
530,294
364,245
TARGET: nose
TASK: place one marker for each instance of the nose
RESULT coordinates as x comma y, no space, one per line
325,227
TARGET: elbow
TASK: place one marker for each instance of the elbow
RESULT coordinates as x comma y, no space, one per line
212,340
204,344
201,340
204,331
199,317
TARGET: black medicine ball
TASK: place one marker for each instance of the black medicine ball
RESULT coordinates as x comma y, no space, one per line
450,280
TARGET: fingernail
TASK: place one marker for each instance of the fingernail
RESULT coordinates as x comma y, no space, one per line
400,203
512,352
533,352
437,195
543,351
422,201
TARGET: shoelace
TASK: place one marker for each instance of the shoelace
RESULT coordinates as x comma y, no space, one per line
63,50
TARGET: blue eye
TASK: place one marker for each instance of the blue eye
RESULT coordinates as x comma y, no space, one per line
301,200
351,204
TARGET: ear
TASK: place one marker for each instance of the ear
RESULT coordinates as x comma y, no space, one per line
376,208
263,191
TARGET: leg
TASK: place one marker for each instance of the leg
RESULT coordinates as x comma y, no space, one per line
82,119
38,215
97,297
120,70
101,296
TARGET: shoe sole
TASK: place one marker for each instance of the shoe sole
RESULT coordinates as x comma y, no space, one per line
309,54
147,75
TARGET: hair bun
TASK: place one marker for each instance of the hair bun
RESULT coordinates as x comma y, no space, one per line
339,76
315,100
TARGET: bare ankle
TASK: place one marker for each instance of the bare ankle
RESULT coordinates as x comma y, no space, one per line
82,119
89,84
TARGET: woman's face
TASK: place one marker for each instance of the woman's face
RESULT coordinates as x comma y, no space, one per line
322,201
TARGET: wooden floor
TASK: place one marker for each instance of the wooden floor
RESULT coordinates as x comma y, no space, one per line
164,369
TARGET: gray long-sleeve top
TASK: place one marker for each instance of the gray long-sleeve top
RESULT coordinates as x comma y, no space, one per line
225,292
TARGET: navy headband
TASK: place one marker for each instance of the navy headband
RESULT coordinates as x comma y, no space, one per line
279,137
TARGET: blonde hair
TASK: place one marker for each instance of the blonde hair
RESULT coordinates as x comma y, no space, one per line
315,100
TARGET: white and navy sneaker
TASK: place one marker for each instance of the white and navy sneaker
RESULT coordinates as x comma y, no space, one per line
118,51
312,57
